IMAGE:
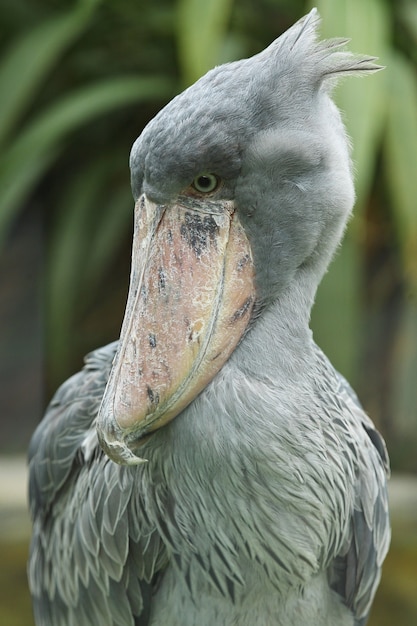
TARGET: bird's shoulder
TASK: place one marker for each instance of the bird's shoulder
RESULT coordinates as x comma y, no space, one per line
67,427
94,555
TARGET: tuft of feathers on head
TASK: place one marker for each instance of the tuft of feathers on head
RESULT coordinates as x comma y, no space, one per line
324,60
282,86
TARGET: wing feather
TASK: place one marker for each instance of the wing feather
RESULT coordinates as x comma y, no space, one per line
93,553
356,570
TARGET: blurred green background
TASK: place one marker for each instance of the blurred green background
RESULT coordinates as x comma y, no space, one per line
78,82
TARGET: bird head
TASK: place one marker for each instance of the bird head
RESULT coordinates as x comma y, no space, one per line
242,184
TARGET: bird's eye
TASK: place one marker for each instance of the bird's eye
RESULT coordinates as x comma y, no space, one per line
206,183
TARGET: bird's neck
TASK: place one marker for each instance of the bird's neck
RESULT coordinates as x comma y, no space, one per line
251,442
280,340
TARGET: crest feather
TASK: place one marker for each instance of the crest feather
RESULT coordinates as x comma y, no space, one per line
322,59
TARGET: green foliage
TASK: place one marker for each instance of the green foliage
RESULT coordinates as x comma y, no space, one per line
381,118
201,28
31,56
82,249
23,69
401,158
36,146
366,24
32,140
400,154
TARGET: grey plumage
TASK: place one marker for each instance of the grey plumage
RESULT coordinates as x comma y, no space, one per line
264,500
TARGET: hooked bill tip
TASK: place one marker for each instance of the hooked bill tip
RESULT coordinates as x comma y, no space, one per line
119,451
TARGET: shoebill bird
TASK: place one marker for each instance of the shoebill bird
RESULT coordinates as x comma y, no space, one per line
211,467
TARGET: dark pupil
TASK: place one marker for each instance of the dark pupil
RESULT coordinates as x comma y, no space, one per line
204,181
